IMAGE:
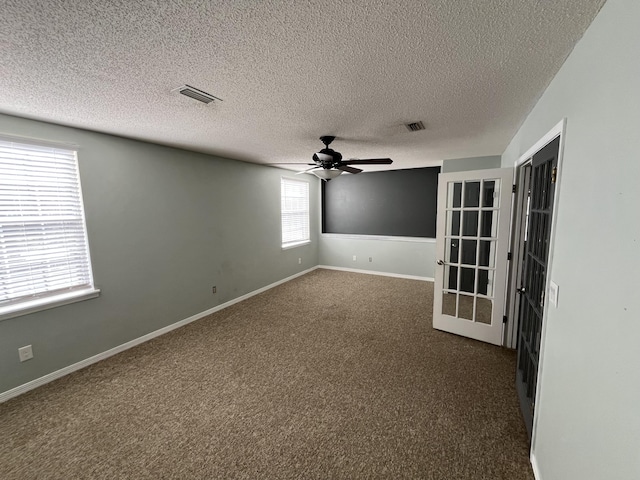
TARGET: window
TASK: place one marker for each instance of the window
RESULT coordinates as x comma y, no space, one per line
295,212
44,254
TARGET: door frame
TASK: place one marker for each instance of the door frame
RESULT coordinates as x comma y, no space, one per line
511,333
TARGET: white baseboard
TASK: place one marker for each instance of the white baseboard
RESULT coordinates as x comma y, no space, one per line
384,274
534,467
14,392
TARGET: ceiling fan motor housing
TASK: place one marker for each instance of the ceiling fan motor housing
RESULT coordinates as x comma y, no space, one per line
327,157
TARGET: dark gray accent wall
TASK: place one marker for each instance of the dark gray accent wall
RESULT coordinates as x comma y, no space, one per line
164,226
392,203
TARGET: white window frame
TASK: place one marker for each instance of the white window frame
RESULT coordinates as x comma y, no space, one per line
289,208
30,201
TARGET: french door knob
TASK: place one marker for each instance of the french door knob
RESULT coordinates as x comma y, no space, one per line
440,262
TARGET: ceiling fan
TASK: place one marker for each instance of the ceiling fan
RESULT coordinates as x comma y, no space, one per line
328,163
332,163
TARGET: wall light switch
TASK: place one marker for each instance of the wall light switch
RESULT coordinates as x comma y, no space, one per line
25,353
553,293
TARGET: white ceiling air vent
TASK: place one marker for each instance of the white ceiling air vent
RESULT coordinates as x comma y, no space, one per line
415,126
196,94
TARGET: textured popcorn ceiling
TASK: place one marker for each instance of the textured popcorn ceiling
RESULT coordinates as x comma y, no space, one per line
290,71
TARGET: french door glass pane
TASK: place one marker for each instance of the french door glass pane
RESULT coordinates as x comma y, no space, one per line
467,279
469,252
453,245
451,280
489,194
449,304
465,307
470,223
454,194
489,227
486,258
484,307
471,194
453,222
485,282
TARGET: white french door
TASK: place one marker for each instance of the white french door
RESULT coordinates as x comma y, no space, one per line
472,242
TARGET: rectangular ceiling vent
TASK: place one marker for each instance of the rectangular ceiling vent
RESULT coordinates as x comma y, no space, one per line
415,126
196,94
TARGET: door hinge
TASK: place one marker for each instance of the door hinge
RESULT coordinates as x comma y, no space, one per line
509,256
513,188
504,319
554,174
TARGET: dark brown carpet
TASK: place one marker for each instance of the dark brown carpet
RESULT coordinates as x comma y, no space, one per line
332,375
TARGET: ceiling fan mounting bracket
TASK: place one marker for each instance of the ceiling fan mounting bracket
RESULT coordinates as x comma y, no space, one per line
327,139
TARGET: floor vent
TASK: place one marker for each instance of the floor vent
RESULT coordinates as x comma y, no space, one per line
415,126
196,94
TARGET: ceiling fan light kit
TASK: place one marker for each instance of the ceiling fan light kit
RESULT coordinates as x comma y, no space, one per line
326,174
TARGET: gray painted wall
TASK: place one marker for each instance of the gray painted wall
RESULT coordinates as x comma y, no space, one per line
474,163
588,413
388,255
164,226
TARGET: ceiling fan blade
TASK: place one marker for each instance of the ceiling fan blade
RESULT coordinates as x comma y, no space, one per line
346,168
290,163
307,170
368,161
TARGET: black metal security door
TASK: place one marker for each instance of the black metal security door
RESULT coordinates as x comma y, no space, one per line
532,286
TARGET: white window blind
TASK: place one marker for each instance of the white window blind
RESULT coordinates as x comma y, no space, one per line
43,243
295,211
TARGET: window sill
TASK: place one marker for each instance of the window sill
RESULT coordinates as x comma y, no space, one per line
46,303
296,244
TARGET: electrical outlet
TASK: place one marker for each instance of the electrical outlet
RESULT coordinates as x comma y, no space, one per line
299,261
354,258
25,353
371,259
214,289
